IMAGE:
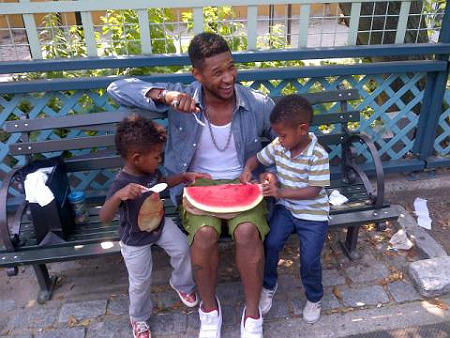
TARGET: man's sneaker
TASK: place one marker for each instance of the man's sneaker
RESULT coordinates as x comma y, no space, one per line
311,312
140,329
188,299
210,322
265,301
250,327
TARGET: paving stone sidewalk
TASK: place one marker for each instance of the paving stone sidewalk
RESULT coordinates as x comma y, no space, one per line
91,298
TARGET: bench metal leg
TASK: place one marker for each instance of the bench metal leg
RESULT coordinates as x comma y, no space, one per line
381,226
46,283
350,243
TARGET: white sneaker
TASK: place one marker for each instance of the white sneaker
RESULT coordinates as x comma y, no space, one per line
311,312
265,300
250,327
210,322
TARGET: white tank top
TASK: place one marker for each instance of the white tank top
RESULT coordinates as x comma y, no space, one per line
219,164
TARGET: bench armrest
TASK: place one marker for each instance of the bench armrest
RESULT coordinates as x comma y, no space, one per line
348,164
5,235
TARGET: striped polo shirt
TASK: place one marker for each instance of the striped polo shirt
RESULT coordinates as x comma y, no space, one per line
309,168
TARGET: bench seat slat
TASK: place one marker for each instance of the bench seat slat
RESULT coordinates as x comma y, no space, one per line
363,217
57,254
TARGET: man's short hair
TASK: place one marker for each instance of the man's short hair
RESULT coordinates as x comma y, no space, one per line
293,110
205,45
138,134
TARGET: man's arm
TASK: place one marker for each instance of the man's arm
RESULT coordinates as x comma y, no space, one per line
133,92
251,164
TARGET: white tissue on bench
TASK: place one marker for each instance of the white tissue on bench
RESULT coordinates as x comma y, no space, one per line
35,189
336,198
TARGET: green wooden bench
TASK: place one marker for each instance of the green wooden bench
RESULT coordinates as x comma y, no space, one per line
17,232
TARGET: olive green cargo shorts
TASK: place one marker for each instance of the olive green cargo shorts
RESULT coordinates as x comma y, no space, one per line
257,216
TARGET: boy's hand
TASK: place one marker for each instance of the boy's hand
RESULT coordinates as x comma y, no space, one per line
246,176
268,178
271,189
189,178
131,191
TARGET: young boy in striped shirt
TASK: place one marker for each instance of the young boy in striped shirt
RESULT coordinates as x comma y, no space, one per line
302,173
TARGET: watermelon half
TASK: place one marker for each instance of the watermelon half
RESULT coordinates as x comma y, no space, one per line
224,198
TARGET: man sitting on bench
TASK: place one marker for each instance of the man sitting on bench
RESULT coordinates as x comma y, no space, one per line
222,132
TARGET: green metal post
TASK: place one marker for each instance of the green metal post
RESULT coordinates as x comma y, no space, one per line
433,99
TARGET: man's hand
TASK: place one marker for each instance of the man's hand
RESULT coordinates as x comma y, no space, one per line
246,176
190,178
182,102
131,191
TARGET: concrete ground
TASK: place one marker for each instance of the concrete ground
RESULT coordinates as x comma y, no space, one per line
371,297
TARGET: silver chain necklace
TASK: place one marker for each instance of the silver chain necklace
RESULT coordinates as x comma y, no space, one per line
212,134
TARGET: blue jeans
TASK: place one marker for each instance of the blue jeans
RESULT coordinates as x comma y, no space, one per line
312,236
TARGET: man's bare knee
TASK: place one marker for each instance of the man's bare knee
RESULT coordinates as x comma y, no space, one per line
246,234
205,238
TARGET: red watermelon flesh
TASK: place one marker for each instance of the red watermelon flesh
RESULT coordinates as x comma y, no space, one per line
224,198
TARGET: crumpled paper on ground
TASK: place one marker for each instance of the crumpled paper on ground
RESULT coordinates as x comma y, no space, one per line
422,213
400,241
336,198
35,189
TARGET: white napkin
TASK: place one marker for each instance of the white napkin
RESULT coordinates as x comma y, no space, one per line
35,189
423,215
336,198
400,241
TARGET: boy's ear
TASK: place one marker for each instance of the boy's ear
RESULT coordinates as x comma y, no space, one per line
303,128
135,157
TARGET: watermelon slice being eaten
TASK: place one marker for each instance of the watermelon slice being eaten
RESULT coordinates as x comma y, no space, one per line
224,198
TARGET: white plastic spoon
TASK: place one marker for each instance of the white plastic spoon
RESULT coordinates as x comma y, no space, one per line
157,188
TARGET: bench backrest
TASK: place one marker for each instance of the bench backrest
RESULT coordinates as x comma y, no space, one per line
93,134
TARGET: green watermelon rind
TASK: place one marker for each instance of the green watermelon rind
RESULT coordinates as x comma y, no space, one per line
222,210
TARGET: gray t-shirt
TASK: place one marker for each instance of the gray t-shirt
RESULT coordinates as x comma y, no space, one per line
130,210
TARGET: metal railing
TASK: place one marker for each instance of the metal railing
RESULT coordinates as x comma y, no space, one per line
258,24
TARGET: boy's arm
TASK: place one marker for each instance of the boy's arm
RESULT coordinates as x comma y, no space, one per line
109,209
129,192
291,193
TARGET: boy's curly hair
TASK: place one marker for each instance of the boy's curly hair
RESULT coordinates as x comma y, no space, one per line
138,134
292,110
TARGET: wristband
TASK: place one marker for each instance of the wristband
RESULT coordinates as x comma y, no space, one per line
162,96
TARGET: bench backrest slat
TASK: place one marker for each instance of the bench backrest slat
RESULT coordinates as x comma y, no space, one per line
60,145
331,139
335,118
94,163
327,96
73,121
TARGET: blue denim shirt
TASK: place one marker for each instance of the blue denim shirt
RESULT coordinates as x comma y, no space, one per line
250,120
